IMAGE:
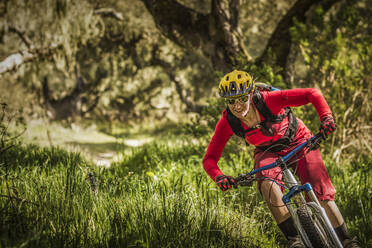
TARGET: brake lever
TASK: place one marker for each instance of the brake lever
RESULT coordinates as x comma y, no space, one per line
244,180
315,143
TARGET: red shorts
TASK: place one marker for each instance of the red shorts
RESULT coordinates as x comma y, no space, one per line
309,168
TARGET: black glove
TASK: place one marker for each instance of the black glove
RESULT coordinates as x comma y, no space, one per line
327,126
225,182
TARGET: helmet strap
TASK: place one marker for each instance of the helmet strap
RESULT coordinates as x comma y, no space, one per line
249,102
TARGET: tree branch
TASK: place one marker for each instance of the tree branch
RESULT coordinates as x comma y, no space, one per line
22,36
182,93
110,12
280,41
182,25
66,106
3,7
13,61
98,95
226,14
216,34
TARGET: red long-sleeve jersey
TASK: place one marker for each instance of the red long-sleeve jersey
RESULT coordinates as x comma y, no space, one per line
276,101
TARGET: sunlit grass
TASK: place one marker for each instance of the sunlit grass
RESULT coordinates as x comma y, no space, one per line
48,202
156,196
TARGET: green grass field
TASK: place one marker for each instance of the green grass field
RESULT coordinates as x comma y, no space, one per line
155,195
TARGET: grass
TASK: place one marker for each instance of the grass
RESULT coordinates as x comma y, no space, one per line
157,195
353,180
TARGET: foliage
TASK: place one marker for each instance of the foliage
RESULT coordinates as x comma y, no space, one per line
202,125
352,178
127,68
266,74
333,55
8,118
131,71
337,59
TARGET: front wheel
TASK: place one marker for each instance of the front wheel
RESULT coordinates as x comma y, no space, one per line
311,221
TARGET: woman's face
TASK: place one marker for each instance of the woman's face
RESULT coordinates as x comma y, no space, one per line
240,108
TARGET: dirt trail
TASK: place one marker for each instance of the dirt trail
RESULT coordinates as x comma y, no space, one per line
100,147
108,156
104,159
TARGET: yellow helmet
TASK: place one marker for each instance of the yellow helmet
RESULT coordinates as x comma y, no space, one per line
236,83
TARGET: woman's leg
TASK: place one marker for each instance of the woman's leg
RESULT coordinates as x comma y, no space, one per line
333,213
273,197
311,169
272,194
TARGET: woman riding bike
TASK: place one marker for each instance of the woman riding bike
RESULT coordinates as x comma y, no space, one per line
264,119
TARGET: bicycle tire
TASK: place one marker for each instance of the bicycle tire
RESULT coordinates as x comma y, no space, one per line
313,225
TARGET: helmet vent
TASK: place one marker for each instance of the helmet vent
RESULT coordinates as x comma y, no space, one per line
236,83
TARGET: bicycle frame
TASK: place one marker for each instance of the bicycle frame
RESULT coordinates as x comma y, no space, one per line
295,190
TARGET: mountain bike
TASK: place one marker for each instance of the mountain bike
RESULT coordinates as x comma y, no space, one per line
310,218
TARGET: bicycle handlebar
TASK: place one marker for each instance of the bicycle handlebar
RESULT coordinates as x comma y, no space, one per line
247,179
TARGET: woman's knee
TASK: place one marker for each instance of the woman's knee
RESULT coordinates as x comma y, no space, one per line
270,189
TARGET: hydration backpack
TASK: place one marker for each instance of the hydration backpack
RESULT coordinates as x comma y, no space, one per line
270,118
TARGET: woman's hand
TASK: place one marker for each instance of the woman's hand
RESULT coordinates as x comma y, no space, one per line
225,182
327,126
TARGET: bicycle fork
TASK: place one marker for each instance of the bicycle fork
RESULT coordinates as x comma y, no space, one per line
295,191
292,182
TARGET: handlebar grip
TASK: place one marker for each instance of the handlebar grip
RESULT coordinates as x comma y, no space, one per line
314,142
317,136
244,180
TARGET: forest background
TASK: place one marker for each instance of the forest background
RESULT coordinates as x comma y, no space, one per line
107,108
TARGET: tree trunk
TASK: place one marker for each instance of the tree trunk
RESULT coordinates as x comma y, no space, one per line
216,35
279,44
66,107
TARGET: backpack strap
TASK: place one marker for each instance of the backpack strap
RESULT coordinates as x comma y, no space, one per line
235,124
287,138
265,111
289,134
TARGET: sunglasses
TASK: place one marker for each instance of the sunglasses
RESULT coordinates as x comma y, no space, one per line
242,99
